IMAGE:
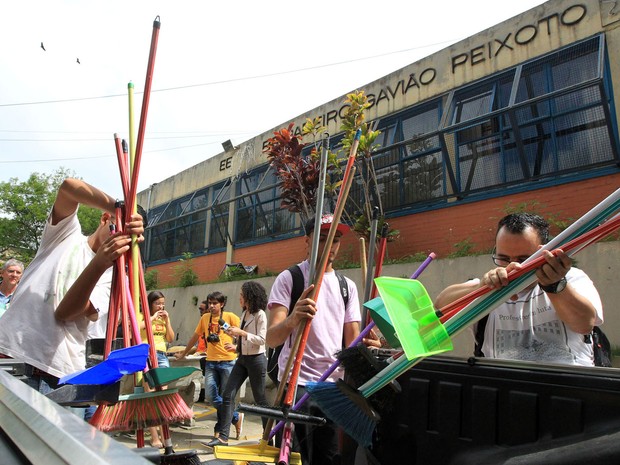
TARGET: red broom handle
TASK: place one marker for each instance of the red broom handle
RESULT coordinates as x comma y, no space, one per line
144,112
122,165
318,277
581,241
344,192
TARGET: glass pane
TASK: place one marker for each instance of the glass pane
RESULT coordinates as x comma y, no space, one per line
245,224
423,178
427,121
197,236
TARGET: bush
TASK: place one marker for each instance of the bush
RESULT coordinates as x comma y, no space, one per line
151,280
184,273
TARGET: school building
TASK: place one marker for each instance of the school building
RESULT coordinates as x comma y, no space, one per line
522,113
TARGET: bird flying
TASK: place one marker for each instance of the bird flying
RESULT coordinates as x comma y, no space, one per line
43,47
78,61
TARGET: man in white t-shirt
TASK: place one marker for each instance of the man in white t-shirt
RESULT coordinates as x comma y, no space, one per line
65,287
549,321
332,325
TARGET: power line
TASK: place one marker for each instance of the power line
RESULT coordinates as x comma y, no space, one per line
226,81
108,139
92,157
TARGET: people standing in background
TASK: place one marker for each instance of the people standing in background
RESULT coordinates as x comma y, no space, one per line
11,273
219,361
251,361
162,335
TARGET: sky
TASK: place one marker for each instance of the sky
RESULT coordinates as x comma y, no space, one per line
223,71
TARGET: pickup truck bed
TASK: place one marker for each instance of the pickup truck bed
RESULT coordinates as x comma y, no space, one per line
477,411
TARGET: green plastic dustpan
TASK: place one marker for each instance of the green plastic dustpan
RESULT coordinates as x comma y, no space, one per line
382,321
161,376
413,317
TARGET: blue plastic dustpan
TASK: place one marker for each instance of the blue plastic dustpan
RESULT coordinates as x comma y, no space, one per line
413,317
119,363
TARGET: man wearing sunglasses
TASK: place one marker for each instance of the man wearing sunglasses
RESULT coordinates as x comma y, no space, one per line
549,321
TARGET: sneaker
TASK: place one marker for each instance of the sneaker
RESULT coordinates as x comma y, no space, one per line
239,425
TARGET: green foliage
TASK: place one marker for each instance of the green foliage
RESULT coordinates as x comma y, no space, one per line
24,207
89,218
413,258
463,248
151,280
184,272
299,175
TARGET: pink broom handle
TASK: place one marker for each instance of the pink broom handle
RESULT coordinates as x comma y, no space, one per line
357,340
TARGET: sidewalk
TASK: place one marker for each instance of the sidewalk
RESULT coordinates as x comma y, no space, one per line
192,437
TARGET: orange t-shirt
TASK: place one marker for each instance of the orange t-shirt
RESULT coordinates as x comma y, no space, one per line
209,324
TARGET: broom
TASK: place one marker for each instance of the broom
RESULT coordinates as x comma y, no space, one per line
137,411
302,400
351,409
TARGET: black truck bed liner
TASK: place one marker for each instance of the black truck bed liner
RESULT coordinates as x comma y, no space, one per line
477,411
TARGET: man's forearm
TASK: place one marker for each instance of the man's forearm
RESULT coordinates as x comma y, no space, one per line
74,192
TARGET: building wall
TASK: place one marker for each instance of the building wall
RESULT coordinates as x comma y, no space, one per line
552,25
541,30
433,231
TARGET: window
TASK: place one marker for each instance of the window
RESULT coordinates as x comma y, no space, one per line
259,215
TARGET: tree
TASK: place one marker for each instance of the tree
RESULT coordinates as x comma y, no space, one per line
24,207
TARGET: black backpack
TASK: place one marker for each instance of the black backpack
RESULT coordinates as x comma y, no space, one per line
600,344
298,287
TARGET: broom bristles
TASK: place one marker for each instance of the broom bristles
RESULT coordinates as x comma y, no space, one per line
347,408
141,413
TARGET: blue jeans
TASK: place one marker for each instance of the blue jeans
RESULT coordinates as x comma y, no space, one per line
162,359
216,377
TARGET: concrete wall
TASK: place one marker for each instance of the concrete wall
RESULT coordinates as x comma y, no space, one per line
600,261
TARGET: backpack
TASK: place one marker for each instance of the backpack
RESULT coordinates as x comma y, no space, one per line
298,287
600,344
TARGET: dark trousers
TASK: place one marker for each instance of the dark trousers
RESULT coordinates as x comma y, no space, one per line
254,367
318,445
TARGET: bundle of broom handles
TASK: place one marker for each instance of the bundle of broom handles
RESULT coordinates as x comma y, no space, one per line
131,264
303,331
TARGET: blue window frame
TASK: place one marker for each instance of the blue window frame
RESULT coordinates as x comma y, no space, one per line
259,215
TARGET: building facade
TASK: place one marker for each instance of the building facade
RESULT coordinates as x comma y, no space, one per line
520,114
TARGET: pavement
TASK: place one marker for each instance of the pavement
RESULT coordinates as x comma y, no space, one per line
194,436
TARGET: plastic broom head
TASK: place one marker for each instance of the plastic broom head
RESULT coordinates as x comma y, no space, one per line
164,375
120,362
380,316
413,317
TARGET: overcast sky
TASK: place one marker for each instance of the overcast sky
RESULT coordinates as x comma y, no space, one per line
224,70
